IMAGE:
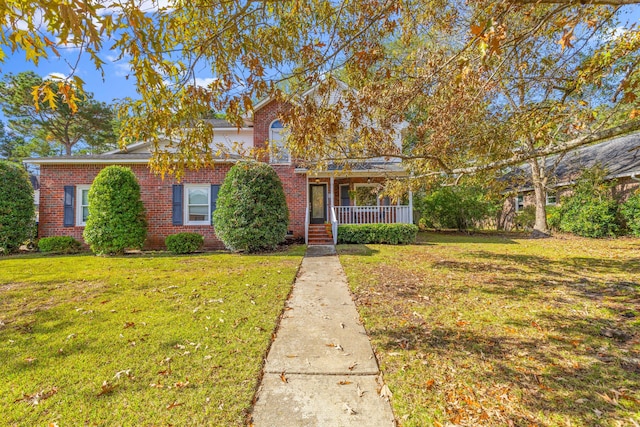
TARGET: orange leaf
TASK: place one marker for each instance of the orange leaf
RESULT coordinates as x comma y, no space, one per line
283,378
430,384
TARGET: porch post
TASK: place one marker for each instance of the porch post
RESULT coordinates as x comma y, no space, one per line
410,207
306,211
332,203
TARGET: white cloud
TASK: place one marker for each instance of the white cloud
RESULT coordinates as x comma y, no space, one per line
204,82
55,76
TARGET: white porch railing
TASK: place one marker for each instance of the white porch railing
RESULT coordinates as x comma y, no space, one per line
334,226
373,215
306,226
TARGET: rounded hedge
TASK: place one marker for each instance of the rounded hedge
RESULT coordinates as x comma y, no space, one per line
630,211
116,214
251,213
17,210
59,244
184,243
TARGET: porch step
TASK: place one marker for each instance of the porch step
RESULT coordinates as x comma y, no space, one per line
318,235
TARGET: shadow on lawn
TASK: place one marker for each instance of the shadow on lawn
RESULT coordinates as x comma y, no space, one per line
537,376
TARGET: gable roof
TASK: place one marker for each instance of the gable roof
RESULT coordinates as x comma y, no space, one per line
619,156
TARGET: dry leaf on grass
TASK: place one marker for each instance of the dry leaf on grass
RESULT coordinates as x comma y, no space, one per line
173,405
36,398
106,388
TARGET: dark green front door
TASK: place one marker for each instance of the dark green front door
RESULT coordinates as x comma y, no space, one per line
318,203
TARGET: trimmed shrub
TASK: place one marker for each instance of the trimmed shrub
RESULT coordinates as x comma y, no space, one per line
591,210
630,211
17,211
184,243
251,213
59,244
461,207
116,214
554,216
526,218
394,234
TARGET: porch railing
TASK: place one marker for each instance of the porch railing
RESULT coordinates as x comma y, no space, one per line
373,214
334,226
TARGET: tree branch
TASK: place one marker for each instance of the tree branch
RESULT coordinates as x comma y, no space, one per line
579,2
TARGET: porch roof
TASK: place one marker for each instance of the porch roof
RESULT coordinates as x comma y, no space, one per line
358,170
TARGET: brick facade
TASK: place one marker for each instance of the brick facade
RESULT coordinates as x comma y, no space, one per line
156,193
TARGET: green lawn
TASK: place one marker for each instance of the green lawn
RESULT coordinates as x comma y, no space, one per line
137,340
493,331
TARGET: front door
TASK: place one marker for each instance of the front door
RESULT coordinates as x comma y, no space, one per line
318,203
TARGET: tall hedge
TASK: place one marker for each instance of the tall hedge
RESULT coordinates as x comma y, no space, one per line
590,210
251,213
116,214
17,210
630,211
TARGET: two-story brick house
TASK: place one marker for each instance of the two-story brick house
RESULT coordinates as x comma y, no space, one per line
314,198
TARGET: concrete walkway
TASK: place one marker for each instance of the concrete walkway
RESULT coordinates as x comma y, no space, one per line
321,370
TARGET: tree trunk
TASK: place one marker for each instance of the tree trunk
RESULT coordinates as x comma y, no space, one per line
67,149
540,228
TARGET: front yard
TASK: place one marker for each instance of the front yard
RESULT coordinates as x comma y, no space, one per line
137,340
494,331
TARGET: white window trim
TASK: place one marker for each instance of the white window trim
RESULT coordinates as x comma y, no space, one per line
186,203
355,187
79,190
272,146
517,204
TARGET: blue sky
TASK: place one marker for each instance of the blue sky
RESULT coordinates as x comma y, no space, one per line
115,84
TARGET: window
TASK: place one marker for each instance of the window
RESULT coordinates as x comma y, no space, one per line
279,152
519,203
551,199
366,195
197,207
82,204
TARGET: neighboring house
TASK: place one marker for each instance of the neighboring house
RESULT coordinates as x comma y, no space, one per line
314,198
620,157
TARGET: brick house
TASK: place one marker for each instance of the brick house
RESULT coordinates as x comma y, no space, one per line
620,157
313,198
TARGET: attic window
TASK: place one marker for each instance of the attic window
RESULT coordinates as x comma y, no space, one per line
279,152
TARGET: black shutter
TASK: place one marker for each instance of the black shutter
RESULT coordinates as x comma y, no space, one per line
69,192
214,197
177,204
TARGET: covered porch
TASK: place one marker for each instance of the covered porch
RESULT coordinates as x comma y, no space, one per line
337,197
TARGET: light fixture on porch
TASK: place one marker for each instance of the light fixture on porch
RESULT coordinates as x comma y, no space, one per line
317,180
369,180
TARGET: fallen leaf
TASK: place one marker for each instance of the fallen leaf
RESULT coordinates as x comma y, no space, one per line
344,382
461,323
352,367
385,393
173,405
181,384
349,410
359,391
106,388
129,325
283,377
430,383
35,398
